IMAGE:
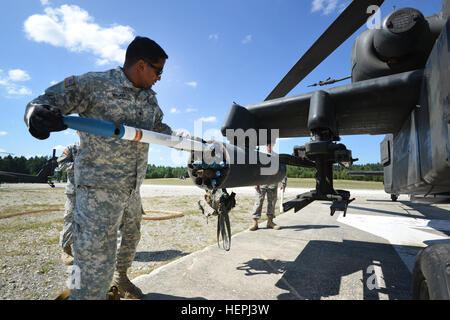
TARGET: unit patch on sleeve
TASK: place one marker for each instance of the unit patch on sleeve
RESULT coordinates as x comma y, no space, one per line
70,81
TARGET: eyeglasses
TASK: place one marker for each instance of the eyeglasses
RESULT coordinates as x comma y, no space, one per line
159,71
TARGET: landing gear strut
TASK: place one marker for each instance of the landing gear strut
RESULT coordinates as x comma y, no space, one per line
323,152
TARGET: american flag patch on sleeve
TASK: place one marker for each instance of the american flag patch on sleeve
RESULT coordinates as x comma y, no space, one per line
70,81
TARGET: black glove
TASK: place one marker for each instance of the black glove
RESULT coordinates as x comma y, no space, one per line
45,119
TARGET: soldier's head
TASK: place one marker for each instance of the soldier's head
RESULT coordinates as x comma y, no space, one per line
269,148
144,62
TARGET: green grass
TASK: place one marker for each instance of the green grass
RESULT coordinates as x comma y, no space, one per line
46,267
30,207
36,226
170,181
292,183
337,184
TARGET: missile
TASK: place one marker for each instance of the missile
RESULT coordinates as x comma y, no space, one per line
119,131
211,165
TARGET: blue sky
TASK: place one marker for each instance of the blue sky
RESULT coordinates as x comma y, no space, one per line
220,51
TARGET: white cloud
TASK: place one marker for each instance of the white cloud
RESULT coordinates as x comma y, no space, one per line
189,110
247,39
72,27
59,147
325,6
174,110
192,84
9,82
18,75
3,133
19,91
45,2
214,36
208,119
70,132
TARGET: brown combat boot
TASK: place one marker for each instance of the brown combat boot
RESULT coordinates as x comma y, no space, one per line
126,288
272,225
113,294
254,227
67,256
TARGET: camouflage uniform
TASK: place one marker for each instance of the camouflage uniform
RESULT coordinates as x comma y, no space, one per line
108,174
65,163
271,191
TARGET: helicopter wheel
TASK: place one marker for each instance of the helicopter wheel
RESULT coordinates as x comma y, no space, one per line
394,197
431,267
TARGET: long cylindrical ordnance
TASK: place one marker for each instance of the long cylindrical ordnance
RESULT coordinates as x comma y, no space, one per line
110,129
212,165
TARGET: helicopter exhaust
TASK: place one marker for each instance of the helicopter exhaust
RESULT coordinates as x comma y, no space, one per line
213,165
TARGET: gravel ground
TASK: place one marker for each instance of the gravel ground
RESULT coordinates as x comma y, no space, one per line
30,264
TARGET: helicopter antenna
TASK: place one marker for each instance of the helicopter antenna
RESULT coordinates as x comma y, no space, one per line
328,81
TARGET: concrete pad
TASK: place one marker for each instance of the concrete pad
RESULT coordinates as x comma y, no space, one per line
313,256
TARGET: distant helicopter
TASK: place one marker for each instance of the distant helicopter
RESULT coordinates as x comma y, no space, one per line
42,177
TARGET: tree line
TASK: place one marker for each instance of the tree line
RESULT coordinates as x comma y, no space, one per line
23,165
34,164
339,172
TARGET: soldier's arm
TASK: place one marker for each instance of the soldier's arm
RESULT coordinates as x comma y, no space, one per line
68,96
65,160
160,126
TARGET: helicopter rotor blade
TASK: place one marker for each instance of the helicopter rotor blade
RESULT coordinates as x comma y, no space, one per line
348,22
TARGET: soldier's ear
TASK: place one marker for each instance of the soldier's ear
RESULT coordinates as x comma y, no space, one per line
140,65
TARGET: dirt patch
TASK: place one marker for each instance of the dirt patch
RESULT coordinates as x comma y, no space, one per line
30,264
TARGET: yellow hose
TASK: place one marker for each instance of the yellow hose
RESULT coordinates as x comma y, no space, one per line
173,214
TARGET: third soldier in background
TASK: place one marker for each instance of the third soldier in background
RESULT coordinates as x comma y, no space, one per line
271,191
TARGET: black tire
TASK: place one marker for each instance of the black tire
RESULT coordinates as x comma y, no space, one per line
394,197
431,274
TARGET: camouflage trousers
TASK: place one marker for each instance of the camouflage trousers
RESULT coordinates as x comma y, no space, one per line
65,238
271,202
106,232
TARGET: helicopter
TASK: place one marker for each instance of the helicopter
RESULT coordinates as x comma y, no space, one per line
42,177
400,87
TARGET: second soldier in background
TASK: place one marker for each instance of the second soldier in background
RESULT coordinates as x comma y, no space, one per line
66,163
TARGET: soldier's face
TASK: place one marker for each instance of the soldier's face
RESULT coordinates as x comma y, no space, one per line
150,73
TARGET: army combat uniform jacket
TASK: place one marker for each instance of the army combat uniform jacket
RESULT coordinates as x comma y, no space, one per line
66,163
109,96
108,174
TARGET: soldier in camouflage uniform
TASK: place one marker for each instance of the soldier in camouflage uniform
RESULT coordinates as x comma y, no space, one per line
108,171
65,163
271,191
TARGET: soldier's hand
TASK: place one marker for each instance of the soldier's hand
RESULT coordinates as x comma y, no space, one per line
45,119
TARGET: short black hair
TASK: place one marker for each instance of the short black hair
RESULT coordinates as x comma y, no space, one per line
145,49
